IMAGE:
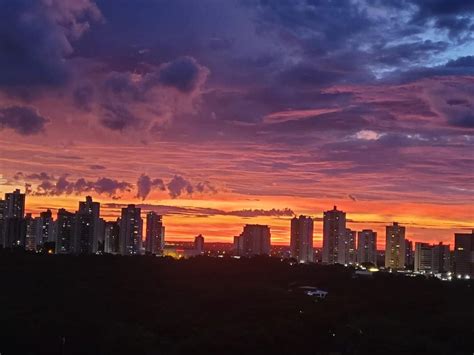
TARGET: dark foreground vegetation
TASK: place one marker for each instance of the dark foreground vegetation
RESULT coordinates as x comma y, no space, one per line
147,305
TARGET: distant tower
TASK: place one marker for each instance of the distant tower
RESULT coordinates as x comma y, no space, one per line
255,239
367,246
112,237
86,227
301,239
44,229
348,250
14,204
30,232
131,227
13,232
423,257
2,220
199,244
464,254
334,236
395,246
155,234
441,259
409,254
64,231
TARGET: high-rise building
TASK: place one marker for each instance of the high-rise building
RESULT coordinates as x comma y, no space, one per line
14,232
112,237
14,204
44,229
367,246
423,257
464,254
100,233
409,254
2,220
199,244
86,227
349,251
334,236
131,227
64,231
441,259
395,246
238,246
255,239
155,234
31,231
13,211
301,239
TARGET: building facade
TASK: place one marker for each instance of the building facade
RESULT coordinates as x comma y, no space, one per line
334,236
13,230
395,246
464,254
86,227
155,234
301,239
131,229
112,237
255,239
441,259
199,244
423,257
367,246
64,231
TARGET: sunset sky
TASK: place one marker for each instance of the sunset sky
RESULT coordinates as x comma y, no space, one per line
221,113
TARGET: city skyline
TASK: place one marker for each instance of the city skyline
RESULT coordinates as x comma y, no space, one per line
273,107
89,212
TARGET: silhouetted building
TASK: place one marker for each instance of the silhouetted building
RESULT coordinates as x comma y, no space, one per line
2,221
199,244
86,227
441,259
395,246
254,240
238,245
301,239
155,234
64,231
349,247
334,236
14,232
112,237
44,229
367,246
31,230
409,254
423,257
131,227
464,254
14,204
14,228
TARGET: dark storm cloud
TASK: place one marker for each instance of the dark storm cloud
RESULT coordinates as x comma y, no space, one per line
179,186
23,120
454,16
63,186
145,184
182,74
35,39
118,117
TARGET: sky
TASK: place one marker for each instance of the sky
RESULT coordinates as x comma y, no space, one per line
222,113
